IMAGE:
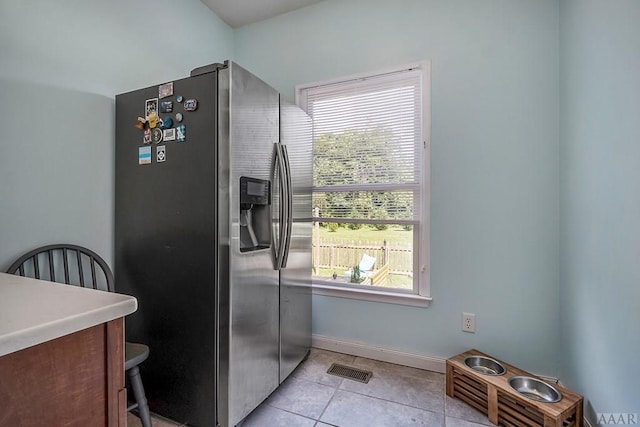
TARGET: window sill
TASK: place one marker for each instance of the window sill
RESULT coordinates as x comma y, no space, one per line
321,288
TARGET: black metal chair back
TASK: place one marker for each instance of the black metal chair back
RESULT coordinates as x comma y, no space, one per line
63,263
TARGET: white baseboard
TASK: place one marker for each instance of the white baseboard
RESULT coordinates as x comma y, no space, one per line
420,361
429,363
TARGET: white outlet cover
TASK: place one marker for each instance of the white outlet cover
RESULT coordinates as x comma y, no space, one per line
469,322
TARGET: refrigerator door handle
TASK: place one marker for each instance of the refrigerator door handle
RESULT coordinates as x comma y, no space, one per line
288,206
279,165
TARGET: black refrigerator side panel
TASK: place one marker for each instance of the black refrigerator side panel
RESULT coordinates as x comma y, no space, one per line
165,246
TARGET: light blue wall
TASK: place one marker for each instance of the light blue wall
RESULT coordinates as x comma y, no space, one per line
494,207
108,47
600,193
495,156
56,169
61,64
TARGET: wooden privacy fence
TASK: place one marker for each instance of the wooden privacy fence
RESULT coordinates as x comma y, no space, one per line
346,254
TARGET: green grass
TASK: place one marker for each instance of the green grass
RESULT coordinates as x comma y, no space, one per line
395,235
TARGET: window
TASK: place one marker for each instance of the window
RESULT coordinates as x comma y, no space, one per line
371,187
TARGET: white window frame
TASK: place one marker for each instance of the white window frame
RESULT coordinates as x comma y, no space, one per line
421,247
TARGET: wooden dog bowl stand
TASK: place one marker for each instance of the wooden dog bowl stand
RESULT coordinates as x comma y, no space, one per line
493,396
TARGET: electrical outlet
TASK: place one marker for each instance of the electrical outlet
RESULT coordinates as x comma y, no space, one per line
469,322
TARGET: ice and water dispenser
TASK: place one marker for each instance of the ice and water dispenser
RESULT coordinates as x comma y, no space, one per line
255,214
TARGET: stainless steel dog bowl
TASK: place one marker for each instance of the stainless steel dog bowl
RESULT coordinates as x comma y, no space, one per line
484,365
535,389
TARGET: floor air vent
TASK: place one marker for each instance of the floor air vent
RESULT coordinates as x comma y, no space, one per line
350,373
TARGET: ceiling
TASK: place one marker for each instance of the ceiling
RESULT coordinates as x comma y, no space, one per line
237,13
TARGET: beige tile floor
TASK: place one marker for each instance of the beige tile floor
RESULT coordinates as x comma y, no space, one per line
396,396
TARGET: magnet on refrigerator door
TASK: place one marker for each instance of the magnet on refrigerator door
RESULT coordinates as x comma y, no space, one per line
146,139
153,120
144,155
167,122
161,155
166,106
156,135
169,134
191,104
179,117
181,133
151,106
165,90
142,123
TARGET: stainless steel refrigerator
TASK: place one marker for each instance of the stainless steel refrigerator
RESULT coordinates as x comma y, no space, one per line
213,236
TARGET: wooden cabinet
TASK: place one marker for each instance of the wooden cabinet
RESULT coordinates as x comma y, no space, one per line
73,380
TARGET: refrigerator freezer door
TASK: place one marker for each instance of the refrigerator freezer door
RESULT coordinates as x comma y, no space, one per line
251,349
165,234
295,279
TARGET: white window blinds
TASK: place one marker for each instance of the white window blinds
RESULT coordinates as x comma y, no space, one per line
367,147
